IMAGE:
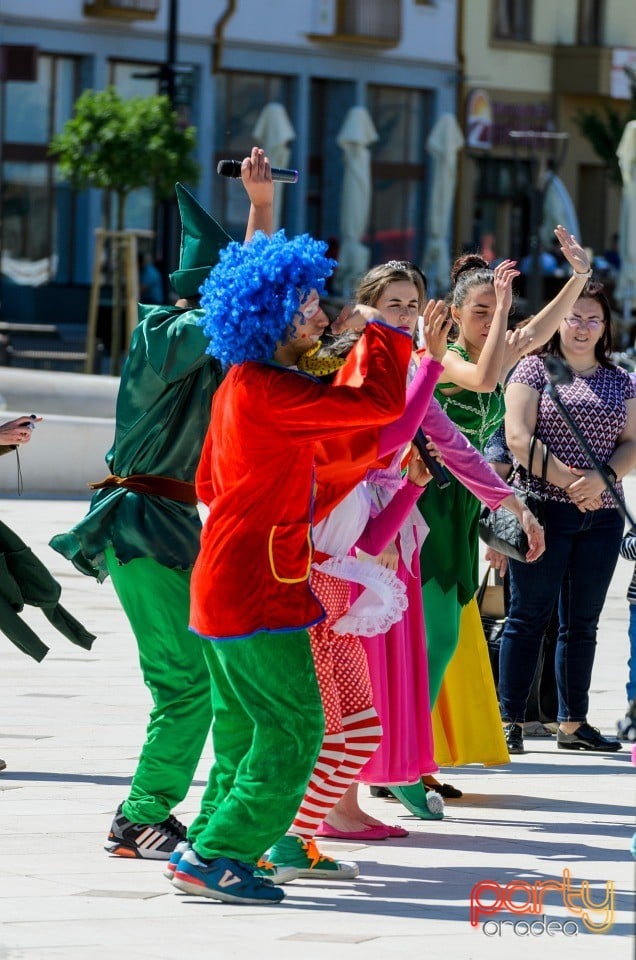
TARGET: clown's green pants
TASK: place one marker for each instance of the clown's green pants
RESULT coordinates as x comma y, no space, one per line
267,731
156,601
442,614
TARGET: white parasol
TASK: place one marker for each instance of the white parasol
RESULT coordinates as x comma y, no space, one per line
274,131
444,142
356,134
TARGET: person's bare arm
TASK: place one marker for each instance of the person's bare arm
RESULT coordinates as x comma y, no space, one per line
484,375
541,327
522,404
256,175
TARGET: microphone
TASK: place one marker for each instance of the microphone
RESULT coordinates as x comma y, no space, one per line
558,371
439,473
232,168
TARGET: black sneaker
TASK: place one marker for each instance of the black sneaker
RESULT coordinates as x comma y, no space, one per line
145,841
513,732
586,738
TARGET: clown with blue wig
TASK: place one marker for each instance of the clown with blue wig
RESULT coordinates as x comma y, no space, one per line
250,594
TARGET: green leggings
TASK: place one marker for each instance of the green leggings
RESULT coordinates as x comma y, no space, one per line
156,600
442,613
267,731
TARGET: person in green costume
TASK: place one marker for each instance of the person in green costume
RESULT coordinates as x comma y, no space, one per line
476,366
143,526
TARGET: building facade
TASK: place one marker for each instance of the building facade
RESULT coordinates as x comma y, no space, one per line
318,58
529,67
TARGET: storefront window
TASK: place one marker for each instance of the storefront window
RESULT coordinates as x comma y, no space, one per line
129,80
241,98
37,234
27,107
402,118
329,105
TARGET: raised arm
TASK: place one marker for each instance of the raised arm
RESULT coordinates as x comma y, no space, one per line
541,327
257,180
484,375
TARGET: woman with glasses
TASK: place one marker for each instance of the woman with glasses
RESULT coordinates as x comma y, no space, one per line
471,393
583,524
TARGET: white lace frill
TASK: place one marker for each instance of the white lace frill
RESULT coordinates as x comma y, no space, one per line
378,607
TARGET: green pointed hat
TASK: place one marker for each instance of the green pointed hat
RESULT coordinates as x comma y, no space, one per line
202,238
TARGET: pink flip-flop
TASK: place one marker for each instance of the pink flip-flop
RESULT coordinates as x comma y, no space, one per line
372,833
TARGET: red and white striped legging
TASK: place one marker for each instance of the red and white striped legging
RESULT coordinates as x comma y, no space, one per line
352,727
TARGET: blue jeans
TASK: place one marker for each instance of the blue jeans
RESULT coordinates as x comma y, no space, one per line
631,663
576,569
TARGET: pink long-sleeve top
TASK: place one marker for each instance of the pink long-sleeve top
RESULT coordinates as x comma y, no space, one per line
462,459
350,523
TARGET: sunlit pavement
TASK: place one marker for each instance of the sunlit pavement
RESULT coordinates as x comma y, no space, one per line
70,728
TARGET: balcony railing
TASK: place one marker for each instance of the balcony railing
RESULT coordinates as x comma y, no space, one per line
123,9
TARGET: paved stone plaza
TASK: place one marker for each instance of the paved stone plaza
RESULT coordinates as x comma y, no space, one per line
70,728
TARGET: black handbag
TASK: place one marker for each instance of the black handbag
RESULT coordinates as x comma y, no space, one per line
501,529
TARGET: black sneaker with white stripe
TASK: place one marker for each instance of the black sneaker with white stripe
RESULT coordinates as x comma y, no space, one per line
146,841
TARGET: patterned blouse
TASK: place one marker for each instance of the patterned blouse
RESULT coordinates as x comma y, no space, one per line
597,404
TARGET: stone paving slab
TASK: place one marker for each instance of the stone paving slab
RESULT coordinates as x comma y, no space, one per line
70,729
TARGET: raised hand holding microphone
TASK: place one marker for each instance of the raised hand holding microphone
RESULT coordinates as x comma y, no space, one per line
233,170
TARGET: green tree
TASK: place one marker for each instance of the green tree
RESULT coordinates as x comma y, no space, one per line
604,130
122,145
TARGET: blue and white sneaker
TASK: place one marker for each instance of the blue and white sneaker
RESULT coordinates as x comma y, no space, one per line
223,879
175,856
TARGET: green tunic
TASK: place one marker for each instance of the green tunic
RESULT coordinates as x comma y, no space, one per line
450,553
163,412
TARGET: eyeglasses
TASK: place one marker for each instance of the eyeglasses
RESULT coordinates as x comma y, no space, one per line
584,324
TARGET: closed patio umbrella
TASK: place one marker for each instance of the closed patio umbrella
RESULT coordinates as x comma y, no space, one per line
443,143
274,131
355,136
626,287
557,208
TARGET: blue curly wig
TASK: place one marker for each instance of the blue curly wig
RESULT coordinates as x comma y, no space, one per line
252,295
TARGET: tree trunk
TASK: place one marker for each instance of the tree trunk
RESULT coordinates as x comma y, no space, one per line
119,273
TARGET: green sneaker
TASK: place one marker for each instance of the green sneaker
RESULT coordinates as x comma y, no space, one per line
278,875
292,851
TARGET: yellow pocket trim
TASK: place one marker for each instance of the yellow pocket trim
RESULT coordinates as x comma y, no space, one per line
270,548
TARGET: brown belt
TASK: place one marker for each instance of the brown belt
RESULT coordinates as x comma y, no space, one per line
179,490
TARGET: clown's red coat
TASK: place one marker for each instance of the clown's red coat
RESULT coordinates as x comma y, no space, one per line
257,475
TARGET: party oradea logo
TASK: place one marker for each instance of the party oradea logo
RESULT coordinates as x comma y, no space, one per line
591,910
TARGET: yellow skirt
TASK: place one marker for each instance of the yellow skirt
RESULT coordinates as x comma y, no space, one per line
467,724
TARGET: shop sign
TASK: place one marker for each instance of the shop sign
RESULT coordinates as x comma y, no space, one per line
478,120
620,85
489,122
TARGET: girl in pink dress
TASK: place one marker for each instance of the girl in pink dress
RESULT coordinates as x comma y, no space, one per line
397,659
